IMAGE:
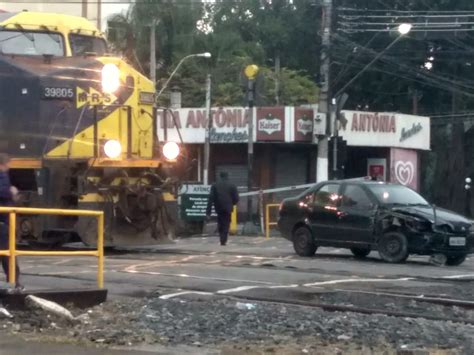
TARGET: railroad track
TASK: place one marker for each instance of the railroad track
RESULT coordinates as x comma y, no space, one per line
329,307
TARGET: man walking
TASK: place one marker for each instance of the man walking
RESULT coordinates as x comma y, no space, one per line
8,195
223,196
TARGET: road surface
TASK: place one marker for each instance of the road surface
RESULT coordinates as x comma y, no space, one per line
246,266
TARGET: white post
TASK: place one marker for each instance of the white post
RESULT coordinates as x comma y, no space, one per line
322,160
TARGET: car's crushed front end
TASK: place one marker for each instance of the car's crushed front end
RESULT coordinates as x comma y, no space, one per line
449,234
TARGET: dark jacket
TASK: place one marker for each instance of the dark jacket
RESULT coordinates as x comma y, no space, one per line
223,196
6,198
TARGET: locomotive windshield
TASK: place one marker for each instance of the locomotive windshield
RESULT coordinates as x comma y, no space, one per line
31,43
81,45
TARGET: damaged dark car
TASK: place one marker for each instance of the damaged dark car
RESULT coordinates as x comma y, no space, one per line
366,215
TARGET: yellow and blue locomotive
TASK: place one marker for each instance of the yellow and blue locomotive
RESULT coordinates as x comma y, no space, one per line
81,130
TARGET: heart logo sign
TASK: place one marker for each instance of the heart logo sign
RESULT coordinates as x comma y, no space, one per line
404,172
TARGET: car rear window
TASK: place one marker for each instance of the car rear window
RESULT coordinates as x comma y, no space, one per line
396,194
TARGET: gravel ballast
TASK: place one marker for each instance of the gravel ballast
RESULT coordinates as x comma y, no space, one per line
221,322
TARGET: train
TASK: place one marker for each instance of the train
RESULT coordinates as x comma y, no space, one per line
80,128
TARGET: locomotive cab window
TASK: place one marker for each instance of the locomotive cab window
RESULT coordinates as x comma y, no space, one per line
81,45
31,43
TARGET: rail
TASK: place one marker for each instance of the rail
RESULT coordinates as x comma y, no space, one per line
12,252
268,224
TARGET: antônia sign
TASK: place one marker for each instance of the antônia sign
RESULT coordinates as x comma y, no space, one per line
229,125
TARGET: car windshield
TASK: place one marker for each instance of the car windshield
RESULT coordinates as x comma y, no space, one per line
81,45
397,195
31,43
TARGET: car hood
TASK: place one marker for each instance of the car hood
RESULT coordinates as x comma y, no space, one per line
457,222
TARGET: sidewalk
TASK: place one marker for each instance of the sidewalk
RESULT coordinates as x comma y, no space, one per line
15,345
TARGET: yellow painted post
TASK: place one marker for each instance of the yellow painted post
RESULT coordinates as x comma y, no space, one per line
267,221
233,221
12,247
100,250
12,253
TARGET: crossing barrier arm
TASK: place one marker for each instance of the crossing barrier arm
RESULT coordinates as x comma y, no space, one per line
277,189
12,253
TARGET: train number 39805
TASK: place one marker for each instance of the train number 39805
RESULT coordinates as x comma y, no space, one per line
58,93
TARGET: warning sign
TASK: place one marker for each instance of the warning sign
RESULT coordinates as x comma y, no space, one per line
193,201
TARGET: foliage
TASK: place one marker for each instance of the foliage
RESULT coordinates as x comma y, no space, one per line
236,34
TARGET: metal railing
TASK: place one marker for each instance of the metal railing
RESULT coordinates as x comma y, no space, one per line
12,252
267,218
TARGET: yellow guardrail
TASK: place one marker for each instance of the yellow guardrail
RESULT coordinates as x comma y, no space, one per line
12,252
267,218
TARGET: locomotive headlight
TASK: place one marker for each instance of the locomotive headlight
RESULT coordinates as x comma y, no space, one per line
112,148
171,150
110,78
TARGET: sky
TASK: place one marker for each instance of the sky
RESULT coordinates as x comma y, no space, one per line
62,6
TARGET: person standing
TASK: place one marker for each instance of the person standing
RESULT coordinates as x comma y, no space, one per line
8,194
223,196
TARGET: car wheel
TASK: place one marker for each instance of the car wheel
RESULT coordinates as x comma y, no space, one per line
360,252
455,260
303,242
393,247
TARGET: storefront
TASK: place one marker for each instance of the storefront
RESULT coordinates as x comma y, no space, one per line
283,152
378,144
385,145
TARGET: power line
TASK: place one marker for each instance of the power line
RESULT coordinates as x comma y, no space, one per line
414,24
349,9
359,30
430,79
354,17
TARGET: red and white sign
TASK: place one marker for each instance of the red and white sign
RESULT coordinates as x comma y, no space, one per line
295,124
270,123
303,123
404,167
376,168
229,125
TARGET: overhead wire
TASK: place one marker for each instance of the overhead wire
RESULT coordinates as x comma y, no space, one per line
406,11
428,78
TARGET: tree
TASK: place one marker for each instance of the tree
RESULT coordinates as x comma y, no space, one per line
237,34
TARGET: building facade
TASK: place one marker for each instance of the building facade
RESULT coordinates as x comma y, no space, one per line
383,145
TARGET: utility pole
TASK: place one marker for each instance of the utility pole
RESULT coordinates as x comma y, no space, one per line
277,78
251,72
322,160
415,101
207,142
99,15
153,52
84,8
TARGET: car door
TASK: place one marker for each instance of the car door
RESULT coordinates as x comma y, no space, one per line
356,214
322,211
